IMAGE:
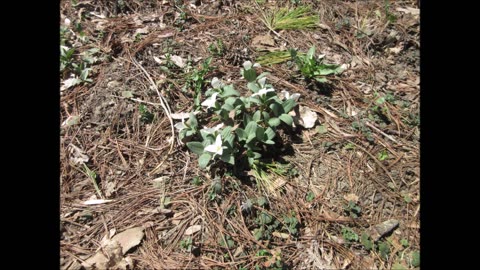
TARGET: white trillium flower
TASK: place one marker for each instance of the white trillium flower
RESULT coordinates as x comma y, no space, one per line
210,102
262,82
215,148
287,95
213,129
216,83
263,91
248,65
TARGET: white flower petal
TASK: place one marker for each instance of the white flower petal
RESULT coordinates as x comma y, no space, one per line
216,83
256,65
211,148
210,102
247,65
262,81
295,96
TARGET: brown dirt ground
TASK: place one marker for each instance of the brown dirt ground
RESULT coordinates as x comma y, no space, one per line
127,154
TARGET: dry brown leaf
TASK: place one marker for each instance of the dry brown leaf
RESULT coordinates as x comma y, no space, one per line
193,229
177,60
307,116
78,157
263,42
129,238
351,198
281,235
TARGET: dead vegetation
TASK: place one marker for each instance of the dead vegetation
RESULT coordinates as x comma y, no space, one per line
355,173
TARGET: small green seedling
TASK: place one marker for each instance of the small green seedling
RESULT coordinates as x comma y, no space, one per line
313,68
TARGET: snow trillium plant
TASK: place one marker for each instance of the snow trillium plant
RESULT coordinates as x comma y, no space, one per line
246,125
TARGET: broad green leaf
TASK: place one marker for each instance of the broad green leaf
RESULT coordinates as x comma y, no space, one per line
228,158
270,133
227,107
203,160
321,129
251,128
265,115
273,122
415,259
257,116
231,100
288,105
269,142
193,121
262,75
260,133
196,147
276,108
250,137
286,118
250,75
229,91
253,86
321,79
241,134
311,52
255,100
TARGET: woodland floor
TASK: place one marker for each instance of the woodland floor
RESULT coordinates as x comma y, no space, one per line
358,168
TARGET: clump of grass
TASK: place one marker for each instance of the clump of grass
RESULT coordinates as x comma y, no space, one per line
285,18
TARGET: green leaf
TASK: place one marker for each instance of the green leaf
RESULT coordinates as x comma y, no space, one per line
241,134
196,147
250,137
251,128
273,122
253,86
321,79
203,160
227,157
256,116
227,107
258,233
193,121
415,259
265,115
321,129
259,133
276,108
250,75
366,241
229,91
384,249
269,142
398,266
311,52
270,133
286,118
288,105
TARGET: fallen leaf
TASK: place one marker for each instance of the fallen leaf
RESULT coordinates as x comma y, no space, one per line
129,238
307,116
193,229
142,31
321,129
71,120
409,10
157,60
77,155
93,202
351,198
262,41
281,235
127,94
178,61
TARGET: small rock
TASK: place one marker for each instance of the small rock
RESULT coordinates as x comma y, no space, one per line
378,231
